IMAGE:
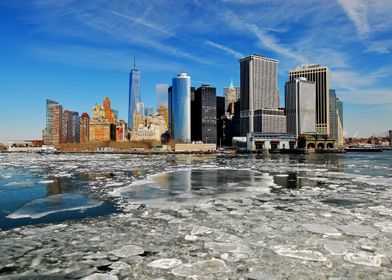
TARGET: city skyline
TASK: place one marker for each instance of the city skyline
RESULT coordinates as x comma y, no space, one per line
90,57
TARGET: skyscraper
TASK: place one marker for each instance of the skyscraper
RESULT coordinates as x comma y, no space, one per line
336,117
161,93
300,100
320,75
134,93
259,106
231,94
203,115
140,109
54,123
180,108
84,128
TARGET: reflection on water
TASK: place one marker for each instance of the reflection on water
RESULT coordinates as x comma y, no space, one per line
186,184
30,197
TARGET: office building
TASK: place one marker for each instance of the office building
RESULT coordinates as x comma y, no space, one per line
320,75
101,127
220,115
121,130
180,108
231,95
134,93
300,99
84,128
390,138
54,123
259,106
109,114
161,94
149,111
203,115
336,117
140,108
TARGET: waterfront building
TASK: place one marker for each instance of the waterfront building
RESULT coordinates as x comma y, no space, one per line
320,75
100,127
54,123
164,112
390,138
300,100
231,95
67,126
121,130
203,115
259,109
148,128
336,117
220,115
140,108
109,114
180,108
134,93
84,128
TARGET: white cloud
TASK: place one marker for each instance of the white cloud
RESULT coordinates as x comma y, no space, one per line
224,48
356,10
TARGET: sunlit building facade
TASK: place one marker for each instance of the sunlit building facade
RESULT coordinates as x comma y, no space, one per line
84,128
54,123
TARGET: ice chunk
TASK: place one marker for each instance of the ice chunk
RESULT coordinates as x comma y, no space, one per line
299,254
101,276
364,258
359,230
227,247
201,268
385,226
127,251
165,263
46,182
260,275
335,247
120,265
200,230
19,184
321,229
41,207
190,237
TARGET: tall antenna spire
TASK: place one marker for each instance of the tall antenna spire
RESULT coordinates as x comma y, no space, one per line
134,61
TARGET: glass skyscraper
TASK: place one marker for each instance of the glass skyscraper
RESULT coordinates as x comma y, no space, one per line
134,94
180,108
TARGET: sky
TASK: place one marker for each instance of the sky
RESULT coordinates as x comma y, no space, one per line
79,52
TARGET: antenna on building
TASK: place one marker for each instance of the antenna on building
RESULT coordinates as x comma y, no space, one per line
134,61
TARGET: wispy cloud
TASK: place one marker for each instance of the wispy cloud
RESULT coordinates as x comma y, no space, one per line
357,13
224,48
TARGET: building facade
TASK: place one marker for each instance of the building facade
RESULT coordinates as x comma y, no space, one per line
300,100
140,108
134,94
54,123
259,106
203,115
336,117
390,138
180,108
100,127
231,95
84,128
320,75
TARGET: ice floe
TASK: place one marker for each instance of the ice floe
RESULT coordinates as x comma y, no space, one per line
165,263
321,229
308,255
364,258
201,268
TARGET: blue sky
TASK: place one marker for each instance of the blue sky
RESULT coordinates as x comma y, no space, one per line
78,52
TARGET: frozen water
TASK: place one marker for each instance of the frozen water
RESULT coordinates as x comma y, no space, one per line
308,255
127,251
53,204
101,276
364,258
267,226
201,268
321,229
336,247
358,230
19,184
165,263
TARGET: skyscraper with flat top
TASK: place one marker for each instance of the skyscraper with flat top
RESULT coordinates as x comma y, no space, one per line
259,106
320,75
134,93
300,100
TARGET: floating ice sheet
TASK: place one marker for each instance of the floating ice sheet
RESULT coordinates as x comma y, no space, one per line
41,207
